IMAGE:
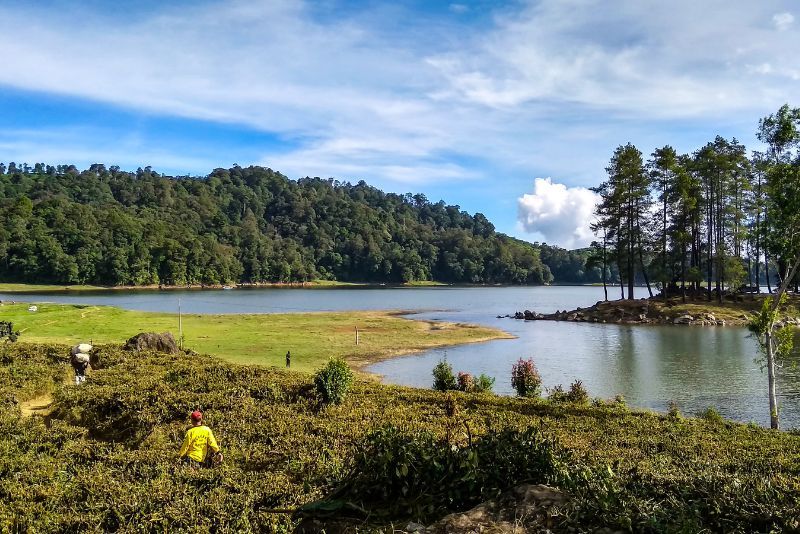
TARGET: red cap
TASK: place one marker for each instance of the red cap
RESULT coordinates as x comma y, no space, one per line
197,415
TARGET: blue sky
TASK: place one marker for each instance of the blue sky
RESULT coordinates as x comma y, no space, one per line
511,109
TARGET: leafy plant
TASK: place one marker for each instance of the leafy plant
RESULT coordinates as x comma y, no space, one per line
333,381
443,377
525,378
484,383
577,393
414,474
465,382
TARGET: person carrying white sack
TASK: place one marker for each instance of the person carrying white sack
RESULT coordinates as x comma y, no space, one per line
80,361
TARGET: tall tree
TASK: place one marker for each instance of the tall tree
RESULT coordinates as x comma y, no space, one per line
625,201
781,132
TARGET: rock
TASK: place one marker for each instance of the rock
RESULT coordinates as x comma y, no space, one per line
721,322
152,341
526,508
415,527
683,319
642,316
519,315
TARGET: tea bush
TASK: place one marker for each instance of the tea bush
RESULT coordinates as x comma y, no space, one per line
525,378
106,458
577,393
333,381
413,474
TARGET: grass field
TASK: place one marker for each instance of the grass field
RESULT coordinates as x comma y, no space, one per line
260,339
35,288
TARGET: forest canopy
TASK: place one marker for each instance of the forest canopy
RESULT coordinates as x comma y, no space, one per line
248,225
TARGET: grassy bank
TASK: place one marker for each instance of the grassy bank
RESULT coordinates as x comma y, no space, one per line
41,288
8,287
107,460
261,339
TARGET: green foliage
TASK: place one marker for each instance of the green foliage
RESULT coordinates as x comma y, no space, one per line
577,393
525,378
413,474
105,461
673,411
333,381
712,415
763,322
484,383
109,227
7,332
443,377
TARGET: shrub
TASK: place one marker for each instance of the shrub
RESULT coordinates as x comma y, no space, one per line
619,400
465,382
415,474
443,378
672,410
525,378
484,383
333,381
556,394
577,393
712,415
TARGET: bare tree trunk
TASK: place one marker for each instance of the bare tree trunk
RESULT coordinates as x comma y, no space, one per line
773,399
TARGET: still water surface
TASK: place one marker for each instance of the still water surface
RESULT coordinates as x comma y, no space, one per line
696,367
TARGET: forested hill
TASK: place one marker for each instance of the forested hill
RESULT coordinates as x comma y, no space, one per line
106,226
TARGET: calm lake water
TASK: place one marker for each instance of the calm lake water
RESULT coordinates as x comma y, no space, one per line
696,367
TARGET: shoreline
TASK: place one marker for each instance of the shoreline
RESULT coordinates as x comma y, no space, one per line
673,311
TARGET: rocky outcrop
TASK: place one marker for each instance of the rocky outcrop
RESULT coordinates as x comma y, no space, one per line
152,341
643,311
526,508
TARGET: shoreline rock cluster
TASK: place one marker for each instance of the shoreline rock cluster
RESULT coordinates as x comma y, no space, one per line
635,312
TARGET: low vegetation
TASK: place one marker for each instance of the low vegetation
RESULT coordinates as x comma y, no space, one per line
259,339
105,458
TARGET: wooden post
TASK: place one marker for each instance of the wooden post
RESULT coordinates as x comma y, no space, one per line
180,325
356,335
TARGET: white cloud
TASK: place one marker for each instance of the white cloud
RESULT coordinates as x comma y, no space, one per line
459,8
560,214
545,87
782,21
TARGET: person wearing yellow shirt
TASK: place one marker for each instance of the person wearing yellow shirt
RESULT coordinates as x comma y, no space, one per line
198,440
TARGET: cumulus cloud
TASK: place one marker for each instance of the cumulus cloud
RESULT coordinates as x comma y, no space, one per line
560,214
782,21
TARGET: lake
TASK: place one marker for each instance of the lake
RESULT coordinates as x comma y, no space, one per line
696,367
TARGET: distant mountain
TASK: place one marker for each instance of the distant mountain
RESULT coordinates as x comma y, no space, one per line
106,226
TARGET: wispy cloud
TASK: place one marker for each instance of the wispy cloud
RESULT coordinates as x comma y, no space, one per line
782,21
535,88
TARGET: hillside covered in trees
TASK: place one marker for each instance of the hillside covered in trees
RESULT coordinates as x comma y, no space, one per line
106,226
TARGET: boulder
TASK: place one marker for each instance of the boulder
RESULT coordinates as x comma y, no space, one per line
526,508
152,341
683,319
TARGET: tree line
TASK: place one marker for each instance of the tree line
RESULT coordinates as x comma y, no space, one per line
249,225
708,222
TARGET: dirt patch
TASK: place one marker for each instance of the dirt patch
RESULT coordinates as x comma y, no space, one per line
41,405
